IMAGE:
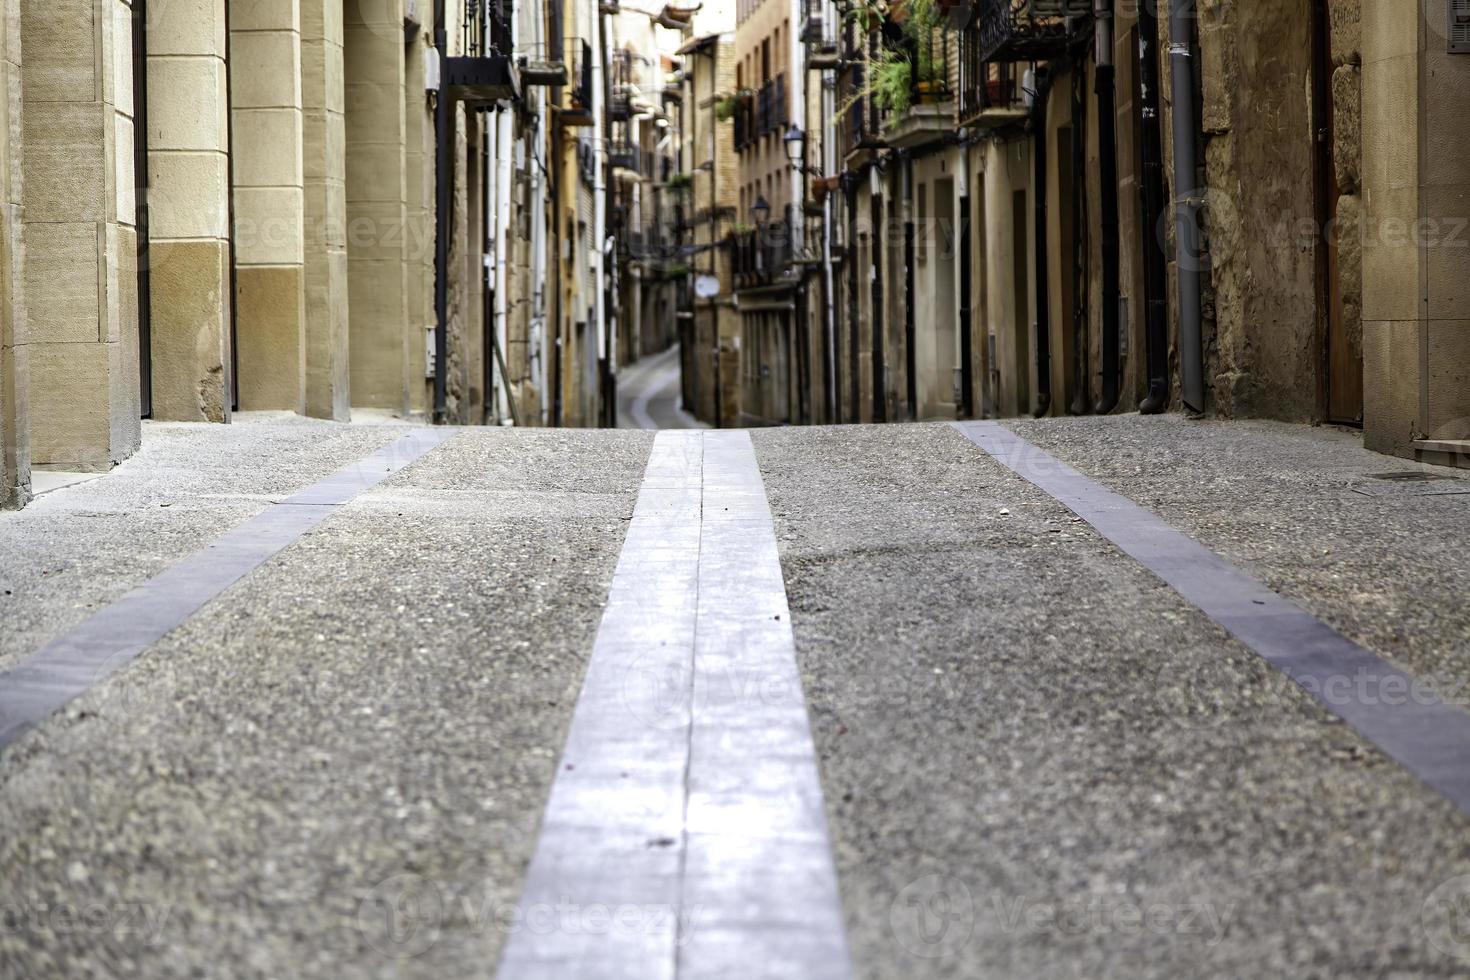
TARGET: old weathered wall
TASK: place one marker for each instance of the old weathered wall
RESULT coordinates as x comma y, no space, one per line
80,263
376,239
270,284
189,198
15,436
324,178
1264,358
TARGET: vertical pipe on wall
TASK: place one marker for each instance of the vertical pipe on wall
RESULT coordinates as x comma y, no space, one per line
880,400
966,341
1080,402
910,355
443,212
1187,202
1151,203
1040,237
1107,148
599,210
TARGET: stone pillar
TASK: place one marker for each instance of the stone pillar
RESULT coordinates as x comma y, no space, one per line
376,232
325,183
15,452
1416,246
80,260
188,163
266,112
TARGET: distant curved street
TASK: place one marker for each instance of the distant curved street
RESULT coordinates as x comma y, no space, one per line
649,396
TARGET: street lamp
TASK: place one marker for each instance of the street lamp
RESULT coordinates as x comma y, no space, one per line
795,141
761,210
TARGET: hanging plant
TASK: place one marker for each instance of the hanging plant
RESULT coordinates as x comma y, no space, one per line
728,103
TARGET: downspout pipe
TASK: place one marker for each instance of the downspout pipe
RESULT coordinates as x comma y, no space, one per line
1105,82
1151,203
966,341
443,212
880,396
1043,280
1187,201
1080,402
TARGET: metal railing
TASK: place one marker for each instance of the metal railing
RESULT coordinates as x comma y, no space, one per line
761,256
625,155
486,29
812,20
1027,30
579,73
988,84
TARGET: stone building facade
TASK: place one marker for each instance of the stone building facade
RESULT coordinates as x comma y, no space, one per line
314,206
967,228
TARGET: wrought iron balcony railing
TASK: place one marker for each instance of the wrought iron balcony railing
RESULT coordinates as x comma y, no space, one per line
812,21
761,257
1028,30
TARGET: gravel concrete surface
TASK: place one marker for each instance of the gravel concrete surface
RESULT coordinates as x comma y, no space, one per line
337,767
75,550
1284,502
1040,762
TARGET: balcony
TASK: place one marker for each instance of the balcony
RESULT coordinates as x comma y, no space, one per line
992,98
813,25
761,257
485,73
625,156
1027,30
578,109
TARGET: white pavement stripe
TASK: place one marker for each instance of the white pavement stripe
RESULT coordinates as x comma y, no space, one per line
1427,735
114,636
685,835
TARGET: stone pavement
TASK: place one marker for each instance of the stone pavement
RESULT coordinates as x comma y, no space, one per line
1032,757
649,395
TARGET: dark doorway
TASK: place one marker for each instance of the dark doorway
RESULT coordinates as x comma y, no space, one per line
140,183
1344,346
1021,290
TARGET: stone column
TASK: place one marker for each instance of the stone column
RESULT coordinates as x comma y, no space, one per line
80,263
325,182
376,232
266,112
15,452
188,162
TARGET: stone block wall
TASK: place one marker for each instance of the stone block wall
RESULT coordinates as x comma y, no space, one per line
324,184
189,198
15,436
270,283
79,276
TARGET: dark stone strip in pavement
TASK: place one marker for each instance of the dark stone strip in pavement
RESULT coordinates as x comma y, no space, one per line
114,636
1427,736
689,781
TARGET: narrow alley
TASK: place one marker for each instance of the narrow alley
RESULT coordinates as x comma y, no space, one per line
948,700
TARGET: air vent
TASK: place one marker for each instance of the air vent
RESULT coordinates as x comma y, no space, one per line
1458,29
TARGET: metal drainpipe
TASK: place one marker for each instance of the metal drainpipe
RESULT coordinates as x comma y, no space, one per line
443,211
875,211
910,332
1080,402
1107,148
1187,202
1043,279
1151,202
966,350
599,216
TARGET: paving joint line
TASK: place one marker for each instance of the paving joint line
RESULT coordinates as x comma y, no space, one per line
111,638
1429,737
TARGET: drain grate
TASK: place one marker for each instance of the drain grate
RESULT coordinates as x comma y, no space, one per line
1412,483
